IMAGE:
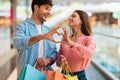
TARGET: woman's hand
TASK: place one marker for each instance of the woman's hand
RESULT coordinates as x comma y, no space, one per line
63,59
66,39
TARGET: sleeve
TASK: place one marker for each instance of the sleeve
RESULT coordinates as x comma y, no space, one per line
58,61
85,51
53,53
20,39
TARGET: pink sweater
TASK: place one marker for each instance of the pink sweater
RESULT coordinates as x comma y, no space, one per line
79,56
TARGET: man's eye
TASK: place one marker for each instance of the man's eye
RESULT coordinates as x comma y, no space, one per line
46,8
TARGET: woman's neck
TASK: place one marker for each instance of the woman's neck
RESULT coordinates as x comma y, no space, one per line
77,32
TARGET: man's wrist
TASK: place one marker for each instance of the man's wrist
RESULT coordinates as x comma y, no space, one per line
49,61
41,36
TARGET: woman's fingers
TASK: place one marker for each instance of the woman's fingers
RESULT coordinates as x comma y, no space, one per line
63,59
62,56
55,41
65,31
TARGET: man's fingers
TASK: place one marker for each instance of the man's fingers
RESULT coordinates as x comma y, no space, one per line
55,41
58,42
56,28
58,33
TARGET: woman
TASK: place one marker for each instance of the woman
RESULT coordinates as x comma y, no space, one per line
77,49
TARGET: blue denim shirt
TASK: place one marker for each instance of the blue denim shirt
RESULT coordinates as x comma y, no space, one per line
28,55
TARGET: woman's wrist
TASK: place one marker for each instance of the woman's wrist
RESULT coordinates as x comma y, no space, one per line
71,43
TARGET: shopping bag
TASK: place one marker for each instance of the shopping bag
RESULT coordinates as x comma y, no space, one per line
55,75
30,73
71,77
68,73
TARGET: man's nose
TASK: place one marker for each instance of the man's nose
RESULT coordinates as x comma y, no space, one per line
48,12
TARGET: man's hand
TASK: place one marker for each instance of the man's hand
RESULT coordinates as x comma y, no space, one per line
43,62
49,35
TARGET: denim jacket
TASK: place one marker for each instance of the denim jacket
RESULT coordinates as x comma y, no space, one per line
29,55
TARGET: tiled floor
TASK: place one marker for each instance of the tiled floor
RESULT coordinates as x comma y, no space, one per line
13,75
7,64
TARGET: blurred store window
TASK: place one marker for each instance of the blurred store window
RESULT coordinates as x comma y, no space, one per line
108,49
23,10
5,23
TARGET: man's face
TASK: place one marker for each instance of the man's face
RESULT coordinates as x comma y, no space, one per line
43,12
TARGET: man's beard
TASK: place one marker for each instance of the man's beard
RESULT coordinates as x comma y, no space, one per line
41,18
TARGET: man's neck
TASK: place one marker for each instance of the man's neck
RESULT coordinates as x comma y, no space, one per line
34,18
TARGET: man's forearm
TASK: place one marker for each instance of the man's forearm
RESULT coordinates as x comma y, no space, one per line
35,39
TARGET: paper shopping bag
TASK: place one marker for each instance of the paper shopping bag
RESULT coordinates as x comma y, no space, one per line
72,77
55,75
30,73
68,73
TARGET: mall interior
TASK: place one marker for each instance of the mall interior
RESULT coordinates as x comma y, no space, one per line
104,16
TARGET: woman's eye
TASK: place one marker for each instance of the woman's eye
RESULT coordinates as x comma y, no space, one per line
73,16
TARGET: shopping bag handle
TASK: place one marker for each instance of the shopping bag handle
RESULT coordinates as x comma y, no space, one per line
35,63
66,68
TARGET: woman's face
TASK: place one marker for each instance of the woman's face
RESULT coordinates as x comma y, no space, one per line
74,20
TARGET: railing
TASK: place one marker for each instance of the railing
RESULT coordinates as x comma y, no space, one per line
108,49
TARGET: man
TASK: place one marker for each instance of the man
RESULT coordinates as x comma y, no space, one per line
29,37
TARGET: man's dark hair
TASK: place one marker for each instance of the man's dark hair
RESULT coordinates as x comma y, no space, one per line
40,2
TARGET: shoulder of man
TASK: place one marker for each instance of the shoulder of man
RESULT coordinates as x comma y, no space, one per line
23,23
46,27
